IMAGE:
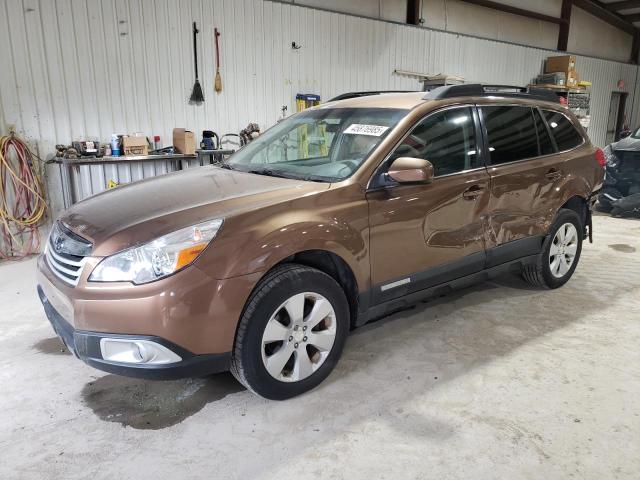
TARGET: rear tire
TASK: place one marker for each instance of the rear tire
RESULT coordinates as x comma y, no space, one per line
560,252
291,333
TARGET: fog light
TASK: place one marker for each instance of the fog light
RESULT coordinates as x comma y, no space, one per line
136,351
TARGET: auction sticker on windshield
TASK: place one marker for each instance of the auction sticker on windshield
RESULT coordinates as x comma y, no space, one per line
360,129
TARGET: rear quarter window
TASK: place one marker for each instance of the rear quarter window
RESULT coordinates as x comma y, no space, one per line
564,132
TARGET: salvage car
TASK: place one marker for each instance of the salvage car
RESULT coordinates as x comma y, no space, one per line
620,194
335,216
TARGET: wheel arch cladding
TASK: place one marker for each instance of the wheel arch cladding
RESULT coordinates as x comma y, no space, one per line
337,268
578,204
329,263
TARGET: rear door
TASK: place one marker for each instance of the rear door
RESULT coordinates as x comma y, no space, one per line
422,235
525,177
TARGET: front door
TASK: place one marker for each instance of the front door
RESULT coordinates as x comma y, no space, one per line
426,234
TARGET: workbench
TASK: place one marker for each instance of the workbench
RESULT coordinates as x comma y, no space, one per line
86,176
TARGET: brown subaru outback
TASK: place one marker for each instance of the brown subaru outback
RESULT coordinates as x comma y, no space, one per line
335,216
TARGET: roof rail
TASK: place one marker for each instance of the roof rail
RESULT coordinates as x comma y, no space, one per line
481,90
344,96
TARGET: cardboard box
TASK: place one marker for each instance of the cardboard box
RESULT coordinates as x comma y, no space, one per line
572,78
563,63
184,141
135,146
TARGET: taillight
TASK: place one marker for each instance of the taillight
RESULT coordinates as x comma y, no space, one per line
600,158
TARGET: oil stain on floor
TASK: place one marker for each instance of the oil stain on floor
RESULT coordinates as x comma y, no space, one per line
153,405
52,346
622,247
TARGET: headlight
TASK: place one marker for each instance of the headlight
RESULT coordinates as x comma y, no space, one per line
159,258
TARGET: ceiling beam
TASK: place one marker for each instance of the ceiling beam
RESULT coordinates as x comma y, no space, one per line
563,31
413,12
597,9
617,6
635,47
514,10
635,17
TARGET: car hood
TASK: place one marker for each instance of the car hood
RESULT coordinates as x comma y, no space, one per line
140,212
628,144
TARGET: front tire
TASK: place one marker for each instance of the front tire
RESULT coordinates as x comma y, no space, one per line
560,253
291,333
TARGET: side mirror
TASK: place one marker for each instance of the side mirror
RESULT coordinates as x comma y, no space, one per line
411,170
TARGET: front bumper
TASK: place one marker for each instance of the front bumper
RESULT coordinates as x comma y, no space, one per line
190,308
85,345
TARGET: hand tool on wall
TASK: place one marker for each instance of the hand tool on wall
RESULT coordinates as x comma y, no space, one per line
218,81
196,94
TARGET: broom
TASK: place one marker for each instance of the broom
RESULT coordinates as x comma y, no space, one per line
218,81
196,94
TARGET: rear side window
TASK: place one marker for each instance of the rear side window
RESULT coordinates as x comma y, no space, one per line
546,147
511,133
563,131
446,139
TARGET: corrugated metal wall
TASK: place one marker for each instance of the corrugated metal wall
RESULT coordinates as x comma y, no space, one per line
74,69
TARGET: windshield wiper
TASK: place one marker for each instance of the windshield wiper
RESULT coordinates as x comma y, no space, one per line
223,163
273,173
315,178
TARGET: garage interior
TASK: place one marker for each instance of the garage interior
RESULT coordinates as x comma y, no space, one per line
499,380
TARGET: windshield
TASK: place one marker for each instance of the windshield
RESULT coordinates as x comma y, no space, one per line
636,134
325,144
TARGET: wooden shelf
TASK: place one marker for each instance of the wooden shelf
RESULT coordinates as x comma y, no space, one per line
560,88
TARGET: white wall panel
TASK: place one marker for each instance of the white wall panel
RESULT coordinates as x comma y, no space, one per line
588,34
76,69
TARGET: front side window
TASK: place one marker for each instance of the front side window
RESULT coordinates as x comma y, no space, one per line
511,133
446,139
324,144
563,131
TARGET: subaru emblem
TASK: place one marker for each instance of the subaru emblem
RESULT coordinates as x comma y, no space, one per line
58,244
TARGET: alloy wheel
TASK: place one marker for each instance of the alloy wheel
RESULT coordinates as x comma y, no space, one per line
563,250
298,337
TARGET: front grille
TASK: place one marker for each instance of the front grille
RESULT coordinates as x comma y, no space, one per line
65,254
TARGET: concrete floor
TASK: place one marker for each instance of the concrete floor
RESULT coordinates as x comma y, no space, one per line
497,381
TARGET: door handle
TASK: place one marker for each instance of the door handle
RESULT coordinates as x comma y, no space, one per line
472,192
553,174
